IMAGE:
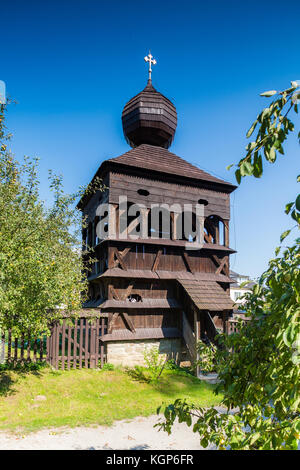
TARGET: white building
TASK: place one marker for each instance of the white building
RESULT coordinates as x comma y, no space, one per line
238,288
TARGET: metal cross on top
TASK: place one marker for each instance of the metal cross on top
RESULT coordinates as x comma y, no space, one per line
149,58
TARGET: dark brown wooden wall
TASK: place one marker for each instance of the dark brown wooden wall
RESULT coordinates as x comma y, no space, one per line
167,193
147,289
161,192
149,319
171,258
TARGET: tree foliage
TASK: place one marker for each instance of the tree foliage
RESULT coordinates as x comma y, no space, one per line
272,127
40,253
259,368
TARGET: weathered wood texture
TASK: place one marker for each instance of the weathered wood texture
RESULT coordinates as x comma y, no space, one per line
148,257
149,117
145,319
73,343
26,348
76,343
218,203
189,337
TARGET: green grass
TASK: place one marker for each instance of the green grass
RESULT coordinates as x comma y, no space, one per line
89,397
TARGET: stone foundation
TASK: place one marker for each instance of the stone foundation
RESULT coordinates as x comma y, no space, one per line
131,353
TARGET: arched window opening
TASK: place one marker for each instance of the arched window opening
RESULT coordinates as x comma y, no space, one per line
214,230
186,226
159,223
127,217
96,238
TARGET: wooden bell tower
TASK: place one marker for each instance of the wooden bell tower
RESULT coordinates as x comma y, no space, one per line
158,281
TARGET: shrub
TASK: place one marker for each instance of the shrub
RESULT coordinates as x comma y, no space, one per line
108,366
155,363
206,357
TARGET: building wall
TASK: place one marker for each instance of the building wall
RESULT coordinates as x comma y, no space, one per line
131,353
236,293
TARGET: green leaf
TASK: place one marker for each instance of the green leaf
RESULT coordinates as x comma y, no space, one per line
288,207
296,216
298,203
229,166
258,166
251,130
246,169
238,176
272,155
254,438
269,93
284,235
290,334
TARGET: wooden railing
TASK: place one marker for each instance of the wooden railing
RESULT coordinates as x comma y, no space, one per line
233,325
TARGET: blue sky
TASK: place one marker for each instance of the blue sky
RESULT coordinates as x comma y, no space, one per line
72,65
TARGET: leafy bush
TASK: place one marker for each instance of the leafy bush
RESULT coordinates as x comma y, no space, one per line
206,357
172,366
26,366
108,366
155,363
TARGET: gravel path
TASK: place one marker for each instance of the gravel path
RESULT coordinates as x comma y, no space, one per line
135,434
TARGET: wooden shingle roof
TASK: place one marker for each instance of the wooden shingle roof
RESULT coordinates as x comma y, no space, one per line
159,274
141,333
207,295
146,303
159,159
160,163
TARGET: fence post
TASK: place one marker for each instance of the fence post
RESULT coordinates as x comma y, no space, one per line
2,347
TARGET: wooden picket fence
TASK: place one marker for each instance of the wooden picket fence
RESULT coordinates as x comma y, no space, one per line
77,344
73,343
27,348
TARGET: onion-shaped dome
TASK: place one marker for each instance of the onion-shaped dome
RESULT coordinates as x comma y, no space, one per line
149,118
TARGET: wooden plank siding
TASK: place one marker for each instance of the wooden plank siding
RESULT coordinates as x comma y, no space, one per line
167,193
145,257
161,318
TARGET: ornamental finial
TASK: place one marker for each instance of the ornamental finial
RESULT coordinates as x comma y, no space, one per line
149,58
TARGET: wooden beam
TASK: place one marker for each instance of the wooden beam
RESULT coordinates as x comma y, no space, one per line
121,260
133,225
156,261
112,322
123,253
226,232
128,291
128,321
222,264
187,261
114,293
111,256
